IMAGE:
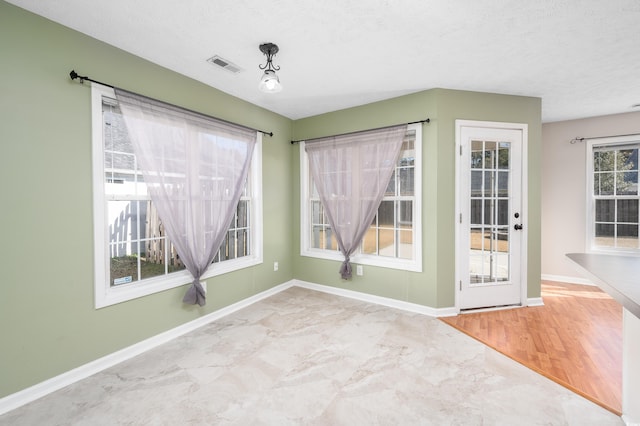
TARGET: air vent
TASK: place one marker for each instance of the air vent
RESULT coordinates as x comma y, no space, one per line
223,63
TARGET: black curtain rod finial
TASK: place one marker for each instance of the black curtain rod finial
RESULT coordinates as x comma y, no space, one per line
74,75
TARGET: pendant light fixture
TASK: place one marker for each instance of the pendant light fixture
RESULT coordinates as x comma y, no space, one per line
269,83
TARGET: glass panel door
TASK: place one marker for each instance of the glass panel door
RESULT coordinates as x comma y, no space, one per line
489,212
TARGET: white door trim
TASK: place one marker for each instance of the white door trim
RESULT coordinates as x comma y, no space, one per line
523,127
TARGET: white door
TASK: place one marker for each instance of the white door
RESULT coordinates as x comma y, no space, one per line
491,226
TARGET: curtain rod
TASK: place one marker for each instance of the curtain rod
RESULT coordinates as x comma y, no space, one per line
576,139
74,75
426,120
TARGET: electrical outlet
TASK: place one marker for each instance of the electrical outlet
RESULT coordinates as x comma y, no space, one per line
359,270
275,266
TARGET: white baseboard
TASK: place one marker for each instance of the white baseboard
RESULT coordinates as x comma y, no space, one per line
535,301
46,387
566,279
379,300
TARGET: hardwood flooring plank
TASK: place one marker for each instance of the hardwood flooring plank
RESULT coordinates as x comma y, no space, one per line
575,339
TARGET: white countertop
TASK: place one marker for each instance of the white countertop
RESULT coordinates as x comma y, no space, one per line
617,275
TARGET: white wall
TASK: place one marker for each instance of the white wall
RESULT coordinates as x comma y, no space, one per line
564,188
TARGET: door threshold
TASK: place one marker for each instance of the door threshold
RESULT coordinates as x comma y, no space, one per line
489,308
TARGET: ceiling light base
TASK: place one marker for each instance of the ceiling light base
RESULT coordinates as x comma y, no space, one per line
269,49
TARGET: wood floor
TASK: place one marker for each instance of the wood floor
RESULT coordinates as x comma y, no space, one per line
575,339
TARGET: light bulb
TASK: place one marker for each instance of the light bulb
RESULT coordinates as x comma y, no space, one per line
270,82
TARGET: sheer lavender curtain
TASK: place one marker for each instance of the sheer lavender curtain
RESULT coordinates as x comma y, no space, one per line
195,168
351,173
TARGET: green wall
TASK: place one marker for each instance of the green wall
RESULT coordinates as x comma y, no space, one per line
48,324
434,286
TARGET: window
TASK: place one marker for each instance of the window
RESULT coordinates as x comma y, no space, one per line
613,197
394,237
133,256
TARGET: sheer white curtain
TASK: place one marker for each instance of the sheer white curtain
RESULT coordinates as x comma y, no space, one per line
351,173
195,168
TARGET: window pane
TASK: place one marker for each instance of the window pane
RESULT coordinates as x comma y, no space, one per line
175,263
603,161
476,183
626,231
316,236
503,212
244,243
391,187
405,176
476,239
503,184
489,183
405,250
316,212
115,130
119,161
323,238
627,159
627,211
370,240
603,183
386,242
231,245
476,154
489,212
503,155
605,235
605,210
242,214
123,267
627,236
487,241
501,272
153,257
119,183
405,214
489,155
627,183
121,220
502,239
407,151
476,212
227,248
386,214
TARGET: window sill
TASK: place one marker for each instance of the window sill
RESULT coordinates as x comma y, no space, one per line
363,259
614,251
126,292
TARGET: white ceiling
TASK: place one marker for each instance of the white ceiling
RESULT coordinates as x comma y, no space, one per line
582,57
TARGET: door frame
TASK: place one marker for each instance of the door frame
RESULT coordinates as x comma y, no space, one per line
462,251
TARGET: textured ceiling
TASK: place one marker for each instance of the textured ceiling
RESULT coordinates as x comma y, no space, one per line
582,57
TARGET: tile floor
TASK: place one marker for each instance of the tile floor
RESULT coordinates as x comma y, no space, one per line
304,357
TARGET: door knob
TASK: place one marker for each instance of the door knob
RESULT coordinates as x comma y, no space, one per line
517,227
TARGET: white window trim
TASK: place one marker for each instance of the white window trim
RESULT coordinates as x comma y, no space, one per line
414,265
590,246
104,293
